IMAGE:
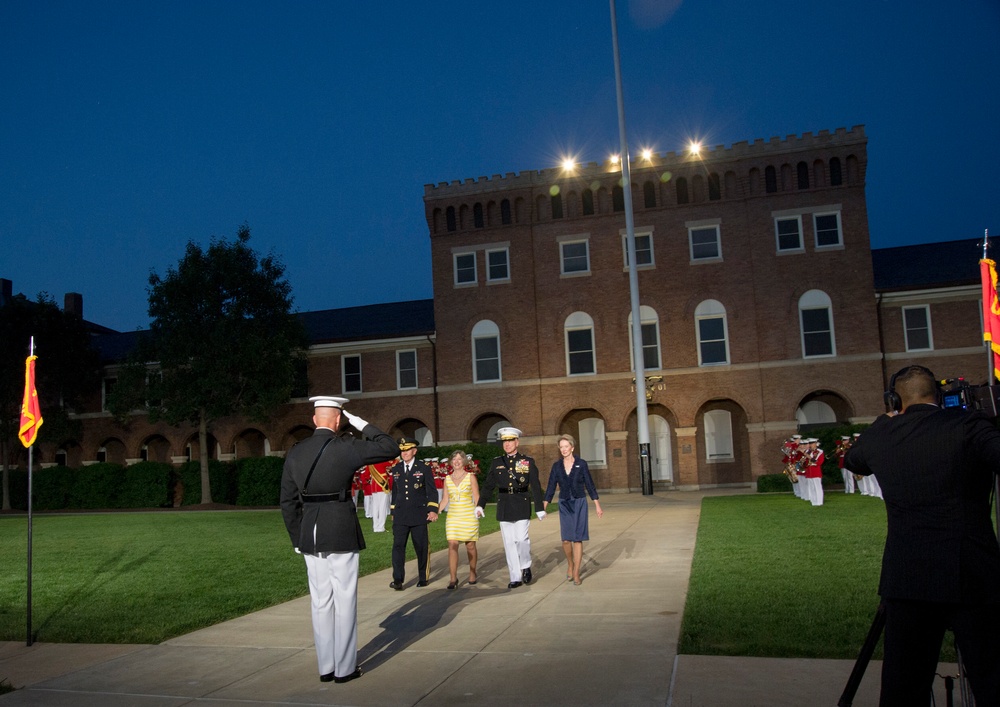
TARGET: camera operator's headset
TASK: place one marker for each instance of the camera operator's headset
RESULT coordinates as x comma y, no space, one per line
891,397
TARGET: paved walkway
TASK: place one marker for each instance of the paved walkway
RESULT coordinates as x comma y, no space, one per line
610,641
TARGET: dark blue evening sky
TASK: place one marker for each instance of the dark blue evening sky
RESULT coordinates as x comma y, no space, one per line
128,128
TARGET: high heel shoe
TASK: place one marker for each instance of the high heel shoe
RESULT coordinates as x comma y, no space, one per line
452,585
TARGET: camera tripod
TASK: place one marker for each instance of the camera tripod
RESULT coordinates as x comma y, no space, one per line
865,656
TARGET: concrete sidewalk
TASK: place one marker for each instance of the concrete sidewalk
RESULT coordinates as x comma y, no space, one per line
610,641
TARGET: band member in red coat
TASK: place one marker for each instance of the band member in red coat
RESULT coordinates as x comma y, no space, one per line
814,472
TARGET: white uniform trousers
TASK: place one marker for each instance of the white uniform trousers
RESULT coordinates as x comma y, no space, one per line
368,505
333,587
380,510
517,547
797,488
875,487
815,491
848,480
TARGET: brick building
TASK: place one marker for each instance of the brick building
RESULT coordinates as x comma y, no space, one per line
763,309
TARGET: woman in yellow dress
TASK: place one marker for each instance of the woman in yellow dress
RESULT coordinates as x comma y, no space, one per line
461,496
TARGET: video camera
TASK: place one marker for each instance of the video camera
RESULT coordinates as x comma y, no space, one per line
958,393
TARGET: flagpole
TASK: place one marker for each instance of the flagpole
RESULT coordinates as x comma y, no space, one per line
990,368
31,449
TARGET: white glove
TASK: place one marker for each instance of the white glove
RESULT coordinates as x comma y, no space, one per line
480,513
541,515
356,422
297,551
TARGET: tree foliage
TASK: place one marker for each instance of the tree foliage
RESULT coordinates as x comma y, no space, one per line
223,338
68,369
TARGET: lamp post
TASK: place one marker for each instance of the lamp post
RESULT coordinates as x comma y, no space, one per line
642,415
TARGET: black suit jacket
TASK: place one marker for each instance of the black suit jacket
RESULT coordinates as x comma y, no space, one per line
936,468
516,478
336,523
413,495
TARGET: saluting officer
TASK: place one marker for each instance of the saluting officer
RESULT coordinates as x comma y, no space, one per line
322,523
515,476
414,505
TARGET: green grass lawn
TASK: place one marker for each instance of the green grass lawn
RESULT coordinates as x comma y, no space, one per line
147,577
773,576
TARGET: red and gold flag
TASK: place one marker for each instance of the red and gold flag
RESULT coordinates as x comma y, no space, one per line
991,310
31,413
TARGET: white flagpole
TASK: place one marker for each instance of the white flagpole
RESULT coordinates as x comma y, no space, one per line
31,449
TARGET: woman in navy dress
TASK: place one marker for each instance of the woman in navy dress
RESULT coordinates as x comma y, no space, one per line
572,475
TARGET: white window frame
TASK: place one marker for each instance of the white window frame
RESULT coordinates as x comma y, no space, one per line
840,230
593,445
641,236
647,318
489,265
484,330
580,321
926,308
475,269
815,300
711,309
698,226
106,390
343,373
719,436
399,370
574,240
800,248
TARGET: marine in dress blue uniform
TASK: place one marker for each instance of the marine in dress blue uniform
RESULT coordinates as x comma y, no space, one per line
515,477
414,504
322,524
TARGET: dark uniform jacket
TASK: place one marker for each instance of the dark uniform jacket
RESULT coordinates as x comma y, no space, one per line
335,522
413,494
936,468
516,480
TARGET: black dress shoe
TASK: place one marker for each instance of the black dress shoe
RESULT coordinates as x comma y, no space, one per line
513,585
353,676
398,586
327,678
526,576
423,583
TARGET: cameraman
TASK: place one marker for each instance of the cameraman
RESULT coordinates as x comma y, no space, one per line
941,564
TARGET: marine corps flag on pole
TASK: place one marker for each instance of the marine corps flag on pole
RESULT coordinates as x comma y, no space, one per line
991,310
31,413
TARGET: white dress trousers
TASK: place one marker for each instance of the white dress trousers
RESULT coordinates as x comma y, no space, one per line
333,587
516,546
380,510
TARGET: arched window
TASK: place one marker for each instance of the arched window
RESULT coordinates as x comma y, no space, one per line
588,202
557,211
477,215
802,174
649,195
712,333
450,218
836,175
505,212
618,198
770,179
579,335
718,435
682,190
485,352
816,322
593,448
649,323
714,187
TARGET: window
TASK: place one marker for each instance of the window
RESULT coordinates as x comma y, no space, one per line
497,269
802,174
465,269
827,229
505,212
917,328
770,180
618,198
714,187
588,202
450,217
406,369
650,332
557,211
836,175
704,242
788,233
718,435
580,344
108,388
592,445
485,352
643,249
682,190
648,195
816,321
712,333
350,367
477,215
575,257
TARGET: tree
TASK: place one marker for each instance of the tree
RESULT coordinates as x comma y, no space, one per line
68,369
223,339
